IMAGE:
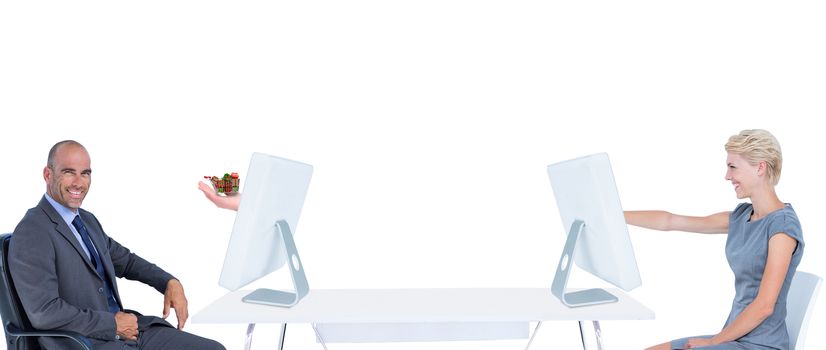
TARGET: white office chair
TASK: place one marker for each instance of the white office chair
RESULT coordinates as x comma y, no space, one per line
799,306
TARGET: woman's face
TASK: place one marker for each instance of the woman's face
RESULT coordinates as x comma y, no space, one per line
744,176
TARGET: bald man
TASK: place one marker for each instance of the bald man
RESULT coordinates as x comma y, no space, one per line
65,269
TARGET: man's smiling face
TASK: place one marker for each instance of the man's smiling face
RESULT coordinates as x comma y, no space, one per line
69,177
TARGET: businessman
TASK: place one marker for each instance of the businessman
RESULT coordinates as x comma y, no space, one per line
64,268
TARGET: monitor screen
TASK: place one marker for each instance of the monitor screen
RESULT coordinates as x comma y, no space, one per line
585,190
274,189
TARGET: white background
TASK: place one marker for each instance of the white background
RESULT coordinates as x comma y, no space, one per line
430,124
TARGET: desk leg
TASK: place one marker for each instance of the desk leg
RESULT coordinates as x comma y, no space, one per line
281,336
533,335
598,333
318,334
248,342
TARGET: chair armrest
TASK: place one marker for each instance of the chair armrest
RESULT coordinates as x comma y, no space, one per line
81,340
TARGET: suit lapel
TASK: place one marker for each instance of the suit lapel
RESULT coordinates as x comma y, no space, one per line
65,231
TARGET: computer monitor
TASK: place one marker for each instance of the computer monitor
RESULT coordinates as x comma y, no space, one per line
262,236
589,204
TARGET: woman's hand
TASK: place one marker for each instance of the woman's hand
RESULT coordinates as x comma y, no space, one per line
698,342
230,202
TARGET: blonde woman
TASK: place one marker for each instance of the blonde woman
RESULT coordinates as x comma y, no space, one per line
763,247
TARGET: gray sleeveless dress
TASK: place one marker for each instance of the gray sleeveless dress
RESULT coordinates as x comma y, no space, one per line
746,250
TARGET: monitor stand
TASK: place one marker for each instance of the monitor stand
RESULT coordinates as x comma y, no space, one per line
277,297
566,261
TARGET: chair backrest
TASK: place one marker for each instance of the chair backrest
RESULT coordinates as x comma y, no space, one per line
11,310
799,306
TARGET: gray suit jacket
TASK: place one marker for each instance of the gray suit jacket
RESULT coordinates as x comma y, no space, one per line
56,281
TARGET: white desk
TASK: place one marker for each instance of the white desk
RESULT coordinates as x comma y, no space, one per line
412,308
